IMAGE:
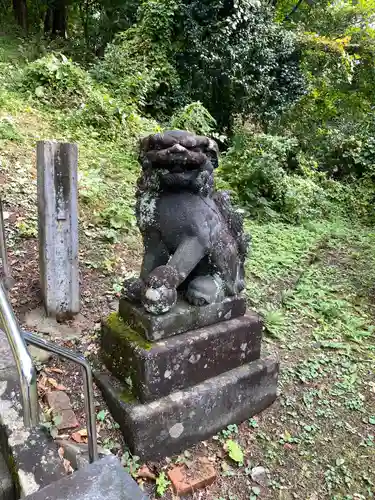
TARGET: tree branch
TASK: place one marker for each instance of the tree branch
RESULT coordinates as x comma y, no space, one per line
293,10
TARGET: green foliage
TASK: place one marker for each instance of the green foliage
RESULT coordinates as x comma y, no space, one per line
138,65
334,121
55,77
8,131
234,451
162,484
236,60
195,118
273,178
130,463
169,58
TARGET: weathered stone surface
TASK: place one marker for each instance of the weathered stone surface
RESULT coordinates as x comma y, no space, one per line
193,237
40,355
182,318
102,480
7,490
30,453
78,453
259,475
37,320
181,361
185,481
173,423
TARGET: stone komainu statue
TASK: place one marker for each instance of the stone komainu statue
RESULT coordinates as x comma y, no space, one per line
194,243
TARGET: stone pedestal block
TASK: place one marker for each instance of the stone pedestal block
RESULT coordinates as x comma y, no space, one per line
171,424
159,368
182,318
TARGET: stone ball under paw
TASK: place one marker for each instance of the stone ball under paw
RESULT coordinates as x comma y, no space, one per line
159,300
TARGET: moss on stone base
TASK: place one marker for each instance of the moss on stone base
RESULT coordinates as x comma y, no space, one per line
127,396
119,328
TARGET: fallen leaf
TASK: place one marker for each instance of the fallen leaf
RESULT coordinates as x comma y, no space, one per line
54,370
83,432
234,451
145,473
60,451
52,382
61,388
288,446
67,466
76,436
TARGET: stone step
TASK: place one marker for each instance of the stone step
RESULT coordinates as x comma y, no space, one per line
102,480
173,423
156,369
7,490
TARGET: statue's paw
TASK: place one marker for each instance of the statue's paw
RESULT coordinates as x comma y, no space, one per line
133,289
159,300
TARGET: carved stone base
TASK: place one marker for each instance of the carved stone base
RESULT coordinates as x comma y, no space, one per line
173,423
182,318
156,369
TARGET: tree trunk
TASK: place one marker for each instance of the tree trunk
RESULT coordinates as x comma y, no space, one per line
59,20
20,13
48,20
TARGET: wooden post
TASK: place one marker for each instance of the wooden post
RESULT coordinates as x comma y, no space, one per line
58,227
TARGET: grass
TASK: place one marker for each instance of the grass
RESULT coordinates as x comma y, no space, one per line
318,440
313,284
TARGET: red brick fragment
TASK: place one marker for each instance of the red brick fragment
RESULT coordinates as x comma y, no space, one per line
185,481
58,400
62,409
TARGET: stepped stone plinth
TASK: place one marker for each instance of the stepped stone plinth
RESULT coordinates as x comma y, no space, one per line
182,356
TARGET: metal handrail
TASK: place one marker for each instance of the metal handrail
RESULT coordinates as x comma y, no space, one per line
36,341
22,358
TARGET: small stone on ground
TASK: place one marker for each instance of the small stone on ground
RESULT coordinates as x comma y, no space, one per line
39,354
38,321
259,476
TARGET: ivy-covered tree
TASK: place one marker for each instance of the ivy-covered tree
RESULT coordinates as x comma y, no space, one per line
237,60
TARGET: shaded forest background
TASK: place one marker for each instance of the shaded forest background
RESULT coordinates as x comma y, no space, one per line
286,87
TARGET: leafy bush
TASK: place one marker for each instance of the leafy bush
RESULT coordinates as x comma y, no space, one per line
272,178
139,65
347,156
56,78
8,131
245,63
195,118
255,165
235,59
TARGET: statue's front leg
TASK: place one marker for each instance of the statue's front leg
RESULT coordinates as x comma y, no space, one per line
155,255
162,283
